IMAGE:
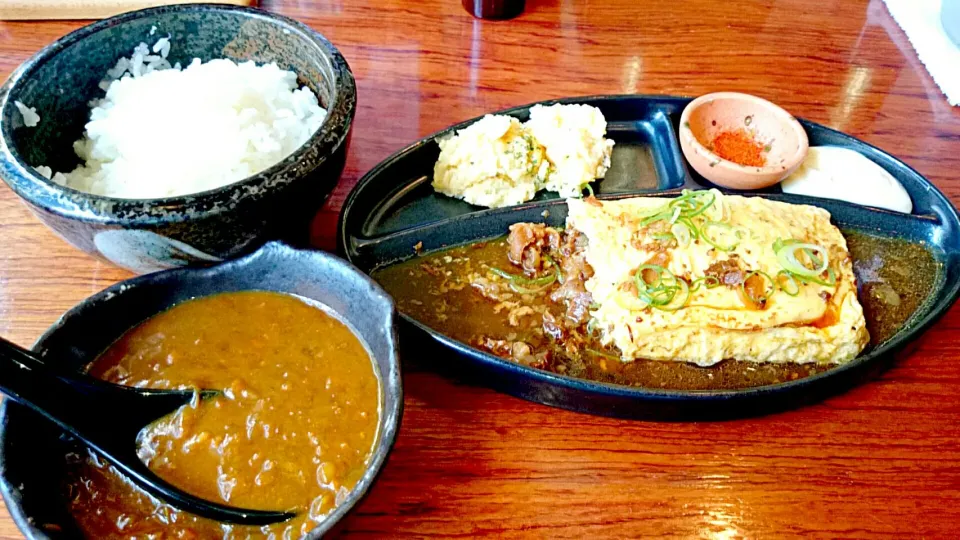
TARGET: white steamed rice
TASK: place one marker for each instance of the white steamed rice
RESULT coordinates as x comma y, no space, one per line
30,116
163,131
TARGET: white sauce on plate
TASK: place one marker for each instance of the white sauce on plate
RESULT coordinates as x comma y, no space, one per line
832,172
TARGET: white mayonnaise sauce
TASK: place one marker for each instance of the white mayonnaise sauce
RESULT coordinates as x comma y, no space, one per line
832,172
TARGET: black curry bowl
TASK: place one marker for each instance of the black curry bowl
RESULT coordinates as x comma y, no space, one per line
144,235
32,449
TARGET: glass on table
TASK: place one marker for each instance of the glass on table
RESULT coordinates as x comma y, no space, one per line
494,9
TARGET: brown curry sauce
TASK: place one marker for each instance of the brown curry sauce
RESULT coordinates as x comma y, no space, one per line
293,428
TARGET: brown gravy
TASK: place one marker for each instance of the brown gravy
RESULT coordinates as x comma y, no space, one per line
895,277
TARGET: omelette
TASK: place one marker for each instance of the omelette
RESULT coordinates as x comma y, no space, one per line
707,277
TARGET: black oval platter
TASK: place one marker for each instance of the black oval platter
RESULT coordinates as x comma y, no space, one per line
393,207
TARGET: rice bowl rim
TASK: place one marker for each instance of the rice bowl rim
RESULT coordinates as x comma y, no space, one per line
39,191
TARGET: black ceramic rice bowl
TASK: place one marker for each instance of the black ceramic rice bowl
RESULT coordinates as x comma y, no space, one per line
32,449
144,235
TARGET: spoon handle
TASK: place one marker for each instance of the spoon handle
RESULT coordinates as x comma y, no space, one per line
79,403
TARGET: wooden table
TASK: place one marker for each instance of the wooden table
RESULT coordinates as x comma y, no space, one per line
881,460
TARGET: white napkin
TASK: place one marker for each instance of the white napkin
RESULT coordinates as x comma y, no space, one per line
920,20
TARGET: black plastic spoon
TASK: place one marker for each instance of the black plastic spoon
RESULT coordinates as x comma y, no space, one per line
108,418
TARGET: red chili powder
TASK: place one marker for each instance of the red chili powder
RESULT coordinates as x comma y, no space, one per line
739,147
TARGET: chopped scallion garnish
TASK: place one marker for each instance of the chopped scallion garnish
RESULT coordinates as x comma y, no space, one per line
805,261
791,279
720,229
661,291
681,231
524,285
708,282
768,291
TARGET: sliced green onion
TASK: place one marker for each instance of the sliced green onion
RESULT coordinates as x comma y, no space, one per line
681,232
688,205
684,295
786,251
638,275
694,231
648,212
659,297
655,217
813,257
780,243
524,285
792,278
589,189
662,292
697,195
829,282
708,282
523,280
676,215
556,267
716,209
714,242
770,290
523,290
787,257
647,291
504,274
664,237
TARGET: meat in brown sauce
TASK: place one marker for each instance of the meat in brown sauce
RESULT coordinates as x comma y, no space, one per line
527,242
727,271
575,271
563,320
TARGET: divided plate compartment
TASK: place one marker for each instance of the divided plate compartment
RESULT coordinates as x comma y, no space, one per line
394,207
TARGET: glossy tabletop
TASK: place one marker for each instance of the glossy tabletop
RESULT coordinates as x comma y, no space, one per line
880,460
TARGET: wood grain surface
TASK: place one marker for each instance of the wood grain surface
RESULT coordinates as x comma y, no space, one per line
882,460
20,10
